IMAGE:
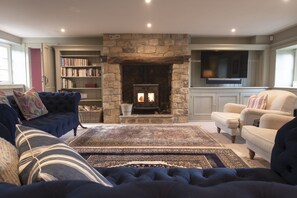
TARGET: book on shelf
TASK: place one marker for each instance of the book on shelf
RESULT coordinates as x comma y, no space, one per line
74,62
72,72
67,84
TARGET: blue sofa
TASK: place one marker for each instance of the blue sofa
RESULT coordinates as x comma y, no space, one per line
278,182
62,113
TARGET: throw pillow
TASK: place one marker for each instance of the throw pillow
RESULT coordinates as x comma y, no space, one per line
257,102
9,163
53,160
3,99
31,142
30,104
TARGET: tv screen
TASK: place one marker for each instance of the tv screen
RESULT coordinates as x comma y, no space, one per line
224,64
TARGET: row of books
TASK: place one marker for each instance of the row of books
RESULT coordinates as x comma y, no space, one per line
67,84
71,72
74,62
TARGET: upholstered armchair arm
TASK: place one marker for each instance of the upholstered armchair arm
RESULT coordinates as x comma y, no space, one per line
233,107
249,115
274,121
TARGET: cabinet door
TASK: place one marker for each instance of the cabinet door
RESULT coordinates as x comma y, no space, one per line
202,105
48,71
222,99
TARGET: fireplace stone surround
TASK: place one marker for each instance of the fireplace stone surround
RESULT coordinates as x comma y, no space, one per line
138,49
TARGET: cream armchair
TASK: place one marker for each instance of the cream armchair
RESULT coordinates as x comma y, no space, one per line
260,140
235,116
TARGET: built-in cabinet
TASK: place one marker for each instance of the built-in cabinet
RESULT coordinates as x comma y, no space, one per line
79,69
206,97
204,100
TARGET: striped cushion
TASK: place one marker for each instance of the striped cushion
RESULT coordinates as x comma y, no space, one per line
257,102
42,160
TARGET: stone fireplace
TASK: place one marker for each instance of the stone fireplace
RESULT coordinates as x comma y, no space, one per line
146,62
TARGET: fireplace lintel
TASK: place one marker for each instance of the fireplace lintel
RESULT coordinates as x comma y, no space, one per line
148,60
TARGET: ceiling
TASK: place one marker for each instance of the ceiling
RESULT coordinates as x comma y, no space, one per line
91,18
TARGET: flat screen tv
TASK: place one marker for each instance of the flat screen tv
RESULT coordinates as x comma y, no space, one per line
224,64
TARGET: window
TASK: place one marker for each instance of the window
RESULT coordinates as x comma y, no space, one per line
285,68
5,65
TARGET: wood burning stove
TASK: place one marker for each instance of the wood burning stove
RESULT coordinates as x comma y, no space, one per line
146,96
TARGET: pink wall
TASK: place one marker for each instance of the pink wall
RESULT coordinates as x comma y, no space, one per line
36,69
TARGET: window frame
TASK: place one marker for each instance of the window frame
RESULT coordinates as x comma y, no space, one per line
9,57
293,52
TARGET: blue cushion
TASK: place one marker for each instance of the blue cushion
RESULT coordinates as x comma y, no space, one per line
8,120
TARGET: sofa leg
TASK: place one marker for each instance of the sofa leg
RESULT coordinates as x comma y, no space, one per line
233,137
252,154
74,131
218,130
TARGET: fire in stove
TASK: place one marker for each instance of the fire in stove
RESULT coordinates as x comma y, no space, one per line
140,97
151,97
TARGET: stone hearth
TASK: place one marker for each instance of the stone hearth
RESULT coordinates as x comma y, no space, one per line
145,49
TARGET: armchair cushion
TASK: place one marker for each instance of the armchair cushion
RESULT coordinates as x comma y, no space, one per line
257,102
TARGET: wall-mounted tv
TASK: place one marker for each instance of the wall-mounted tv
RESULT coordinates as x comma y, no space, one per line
224,64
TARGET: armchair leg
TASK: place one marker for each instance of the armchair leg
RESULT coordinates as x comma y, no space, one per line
218,130
233,137
252,154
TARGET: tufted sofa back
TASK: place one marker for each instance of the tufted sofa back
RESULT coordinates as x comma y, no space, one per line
60,101
284,152
53,101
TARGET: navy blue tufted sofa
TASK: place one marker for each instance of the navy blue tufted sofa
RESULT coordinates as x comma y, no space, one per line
62,113
278,182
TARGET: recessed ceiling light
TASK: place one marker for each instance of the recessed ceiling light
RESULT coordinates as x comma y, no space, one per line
149,25
286,1
233,30
62,30
147,1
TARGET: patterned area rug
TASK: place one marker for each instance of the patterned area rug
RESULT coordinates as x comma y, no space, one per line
162,157
144,135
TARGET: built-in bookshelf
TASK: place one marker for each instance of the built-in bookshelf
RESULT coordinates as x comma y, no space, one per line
78,69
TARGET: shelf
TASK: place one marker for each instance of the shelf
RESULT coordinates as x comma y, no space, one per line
85,67
79,56
80,76
77,88
90,100
77,68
